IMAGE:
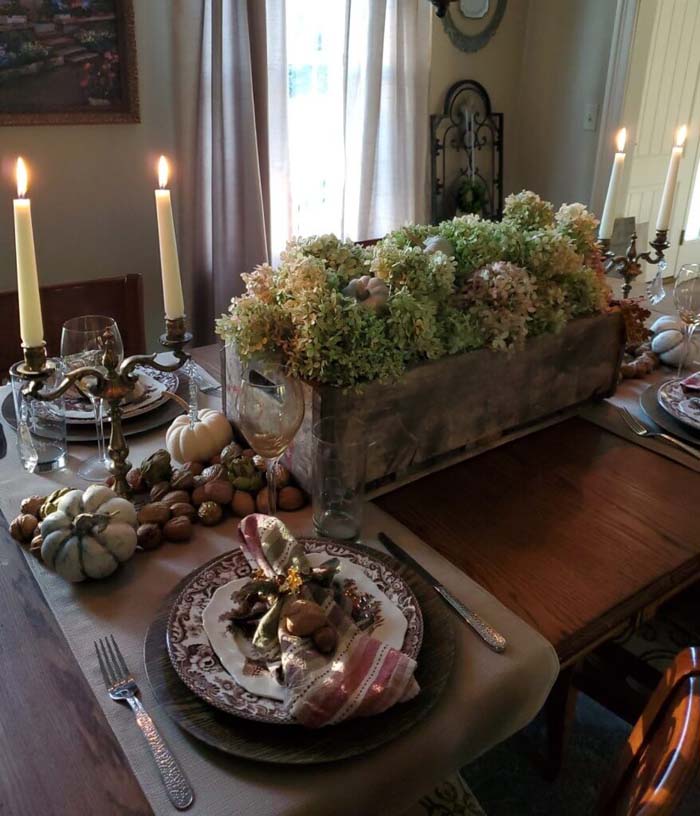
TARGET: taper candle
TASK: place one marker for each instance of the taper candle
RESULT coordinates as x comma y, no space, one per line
31,327
664,217
607,220
169,261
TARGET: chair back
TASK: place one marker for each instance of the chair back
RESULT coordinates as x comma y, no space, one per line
662,755
120,298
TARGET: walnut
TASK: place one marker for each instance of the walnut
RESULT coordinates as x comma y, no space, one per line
22,528
35,545
32,505
198,495
195,468
213,473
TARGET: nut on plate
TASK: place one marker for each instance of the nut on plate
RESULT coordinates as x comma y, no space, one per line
149,536
210,513
159,491
22,527
219,492
32,505
153,513
178,529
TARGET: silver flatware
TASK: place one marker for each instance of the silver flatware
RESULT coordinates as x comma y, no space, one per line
122,687
205,382
641,430
493,639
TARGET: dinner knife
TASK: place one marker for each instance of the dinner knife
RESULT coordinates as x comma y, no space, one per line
487,633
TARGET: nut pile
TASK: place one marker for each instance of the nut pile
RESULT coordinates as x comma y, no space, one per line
176,498
25,527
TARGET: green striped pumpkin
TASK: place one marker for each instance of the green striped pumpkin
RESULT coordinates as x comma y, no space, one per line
89,534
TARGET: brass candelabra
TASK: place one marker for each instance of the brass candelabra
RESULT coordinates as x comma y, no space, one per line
112,381
629,265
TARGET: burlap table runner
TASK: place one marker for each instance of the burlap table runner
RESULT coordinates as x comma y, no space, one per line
488,696
628,394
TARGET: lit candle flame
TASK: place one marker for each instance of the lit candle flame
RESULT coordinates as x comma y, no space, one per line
22,178
163,172
681,133
621,139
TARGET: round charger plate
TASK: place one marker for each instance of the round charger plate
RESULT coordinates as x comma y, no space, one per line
675,401
293,744
197,662
650,404
84,432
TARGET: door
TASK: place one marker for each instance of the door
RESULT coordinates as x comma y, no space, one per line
665,46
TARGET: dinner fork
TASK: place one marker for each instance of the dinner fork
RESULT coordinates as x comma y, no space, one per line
121,686
641,430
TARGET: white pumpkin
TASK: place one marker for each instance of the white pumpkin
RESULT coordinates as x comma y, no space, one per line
89,534
436,243
204,439
372,293
667,342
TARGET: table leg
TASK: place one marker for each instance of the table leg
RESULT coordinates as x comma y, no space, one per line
560,711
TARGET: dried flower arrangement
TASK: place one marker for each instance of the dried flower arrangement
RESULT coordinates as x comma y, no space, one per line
465,284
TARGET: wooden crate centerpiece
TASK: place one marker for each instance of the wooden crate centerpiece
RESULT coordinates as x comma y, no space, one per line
447,409
445,340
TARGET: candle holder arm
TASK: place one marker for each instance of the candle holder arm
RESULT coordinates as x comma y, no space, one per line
34,389
128,365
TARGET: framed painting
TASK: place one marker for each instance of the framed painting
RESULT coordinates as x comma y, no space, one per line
67,62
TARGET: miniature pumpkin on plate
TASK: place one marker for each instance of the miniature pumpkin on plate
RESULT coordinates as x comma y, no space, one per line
201,441
89,534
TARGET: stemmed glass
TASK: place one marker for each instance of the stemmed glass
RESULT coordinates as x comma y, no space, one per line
270,410
686,296
82,344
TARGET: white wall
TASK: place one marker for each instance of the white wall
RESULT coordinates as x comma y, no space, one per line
92,185
564,67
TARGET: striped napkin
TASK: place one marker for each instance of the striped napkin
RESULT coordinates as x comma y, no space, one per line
363,676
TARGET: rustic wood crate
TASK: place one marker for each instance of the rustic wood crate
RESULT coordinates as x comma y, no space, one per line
447,409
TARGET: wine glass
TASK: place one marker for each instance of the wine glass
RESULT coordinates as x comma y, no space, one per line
82,344
686,296
270,410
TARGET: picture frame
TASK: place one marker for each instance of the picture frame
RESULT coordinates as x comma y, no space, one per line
68,62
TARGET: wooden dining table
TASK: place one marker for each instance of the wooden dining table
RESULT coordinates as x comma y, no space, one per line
573,528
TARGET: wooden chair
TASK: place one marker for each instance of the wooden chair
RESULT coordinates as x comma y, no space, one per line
120,298
662,755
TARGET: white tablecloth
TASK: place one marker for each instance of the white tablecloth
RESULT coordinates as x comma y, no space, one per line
487,699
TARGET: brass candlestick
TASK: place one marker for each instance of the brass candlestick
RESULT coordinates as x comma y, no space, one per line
629,265
111,381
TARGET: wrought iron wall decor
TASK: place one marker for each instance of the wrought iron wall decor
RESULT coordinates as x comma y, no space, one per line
466,146
472,42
